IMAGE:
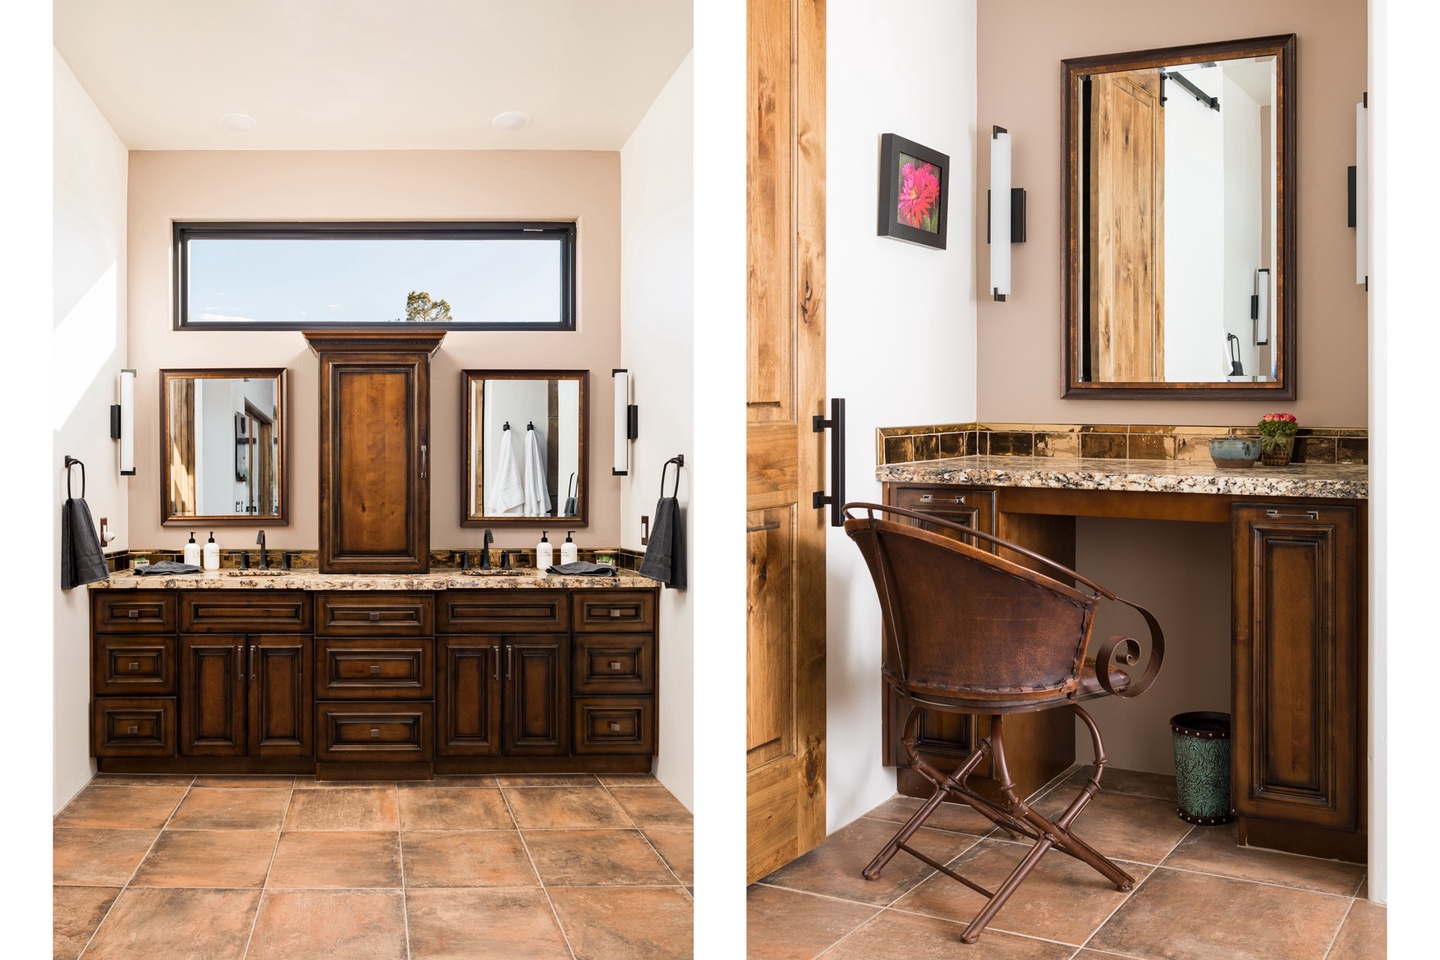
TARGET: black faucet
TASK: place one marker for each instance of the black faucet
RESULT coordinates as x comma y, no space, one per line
286,559
505,559
264,563
485,549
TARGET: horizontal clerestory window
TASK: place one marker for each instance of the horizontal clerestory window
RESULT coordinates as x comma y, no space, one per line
297,276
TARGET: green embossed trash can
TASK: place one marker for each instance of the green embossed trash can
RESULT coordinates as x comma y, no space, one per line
1202,767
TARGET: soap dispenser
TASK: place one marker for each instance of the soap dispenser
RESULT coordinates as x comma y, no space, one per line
192,551
544,552
568,550
212,553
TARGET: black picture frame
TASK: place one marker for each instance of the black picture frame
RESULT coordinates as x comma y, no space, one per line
896,153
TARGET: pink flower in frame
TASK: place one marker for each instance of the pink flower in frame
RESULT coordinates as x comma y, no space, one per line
919,193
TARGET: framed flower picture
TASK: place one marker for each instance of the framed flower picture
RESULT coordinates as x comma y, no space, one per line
914,190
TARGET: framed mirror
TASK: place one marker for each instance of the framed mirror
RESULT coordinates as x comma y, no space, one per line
526,447
222,446
1179,211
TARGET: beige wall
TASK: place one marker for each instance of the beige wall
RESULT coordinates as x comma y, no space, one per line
1021,45
392,185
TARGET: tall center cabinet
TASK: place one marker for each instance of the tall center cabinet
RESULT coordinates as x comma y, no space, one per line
374,450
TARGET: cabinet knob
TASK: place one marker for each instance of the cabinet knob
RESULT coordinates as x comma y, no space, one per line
614,664
134,666
133,614
374,732
133,729
374,668
614,725
374,614
616,614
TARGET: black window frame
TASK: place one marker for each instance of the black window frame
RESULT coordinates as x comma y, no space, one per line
184,231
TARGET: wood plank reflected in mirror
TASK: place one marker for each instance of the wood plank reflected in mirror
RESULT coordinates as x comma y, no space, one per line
222,445
526,447
1180,217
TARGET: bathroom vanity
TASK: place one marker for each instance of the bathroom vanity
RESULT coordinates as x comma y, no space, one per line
357,676
1298,572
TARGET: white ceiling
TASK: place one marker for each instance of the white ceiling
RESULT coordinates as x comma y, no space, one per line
373,74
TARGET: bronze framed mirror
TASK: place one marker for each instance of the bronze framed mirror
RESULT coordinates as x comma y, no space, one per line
222,446
526,447
1179,211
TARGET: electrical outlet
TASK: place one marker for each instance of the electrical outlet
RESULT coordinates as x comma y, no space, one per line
644,531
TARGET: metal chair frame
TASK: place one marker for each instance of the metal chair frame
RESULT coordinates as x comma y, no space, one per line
1088,679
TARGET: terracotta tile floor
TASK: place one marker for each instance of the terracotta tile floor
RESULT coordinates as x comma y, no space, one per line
459,868
1198,896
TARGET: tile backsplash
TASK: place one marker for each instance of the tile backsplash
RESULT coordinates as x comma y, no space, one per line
1100,441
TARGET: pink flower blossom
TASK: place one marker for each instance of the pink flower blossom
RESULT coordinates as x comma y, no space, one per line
919,189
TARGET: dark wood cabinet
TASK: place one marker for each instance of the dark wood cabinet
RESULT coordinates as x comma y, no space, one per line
244,695
1297,722
133,674
374,450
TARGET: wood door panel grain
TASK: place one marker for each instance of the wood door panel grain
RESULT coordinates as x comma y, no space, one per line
282,715
467,705
375,473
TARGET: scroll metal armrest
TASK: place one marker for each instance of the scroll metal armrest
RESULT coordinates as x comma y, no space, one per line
1126,650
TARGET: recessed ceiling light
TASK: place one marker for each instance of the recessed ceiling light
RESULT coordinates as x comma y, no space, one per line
237,121
510,120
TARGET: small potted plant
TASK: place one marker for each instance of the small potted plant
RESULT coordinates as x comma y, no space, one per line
1277,438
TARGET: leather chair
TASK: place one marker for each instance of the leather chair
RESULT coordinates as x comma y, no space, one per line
968,631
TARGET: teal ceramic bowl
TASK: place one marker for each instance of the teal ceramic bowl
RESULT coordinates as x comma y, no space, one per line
1235,451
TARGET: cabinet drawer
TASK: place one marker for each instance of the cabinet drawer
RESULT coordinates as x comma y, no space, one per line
624,725
374,614
138,727
355,732
618,610
133,666
615,663
132,611
962,505
504,611
229,611
388,669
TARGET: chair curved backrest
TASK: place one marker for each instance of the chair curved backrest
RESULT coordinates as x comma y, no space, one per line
970,630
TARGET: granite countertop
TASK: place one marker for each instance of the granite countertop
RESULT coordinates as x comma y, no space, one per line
231,579
1344,481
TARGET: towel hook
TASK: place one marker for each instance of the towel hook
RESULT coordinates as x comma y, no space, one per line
679,461
507,425
69,474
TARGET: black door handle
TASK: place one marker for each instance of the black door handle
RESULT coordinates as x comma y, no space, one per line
836,423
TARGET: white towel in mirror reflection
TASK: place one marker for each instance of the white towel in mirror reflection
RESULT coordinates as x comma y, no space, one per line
537,497
506,493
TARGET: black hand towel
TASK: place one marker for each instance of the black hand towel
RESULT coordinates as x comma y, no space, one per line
582,568
81,560
665,555
163,567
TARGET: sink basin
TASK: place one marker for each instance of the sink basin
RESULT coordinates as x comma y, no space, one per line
497,573
256,573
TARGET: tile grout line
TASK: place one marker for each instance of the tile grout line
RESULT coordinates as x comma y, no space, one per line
265,883
649,843
564,935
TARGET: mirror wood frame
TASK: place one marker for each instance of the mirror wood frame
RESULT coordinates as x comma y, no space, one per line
582,482
1282,47
282,498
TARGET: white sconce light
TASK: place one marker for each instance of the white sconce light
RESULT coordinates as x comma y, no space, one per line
1006,220
122,423
1360,193
627,421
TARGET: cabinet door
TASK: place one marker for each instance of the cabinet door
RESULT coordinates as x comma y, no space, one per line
282,716
963,505
536,692
467,674
1294,746
374,462
212,695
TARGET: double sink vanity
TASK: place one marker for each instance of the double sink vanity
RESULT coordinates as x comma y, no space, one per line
370,664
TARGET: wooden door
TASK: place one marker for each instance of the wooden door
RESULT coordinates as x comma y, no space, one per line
536,694
1295,746
785,385
1127,288
212,695
467,701
282,715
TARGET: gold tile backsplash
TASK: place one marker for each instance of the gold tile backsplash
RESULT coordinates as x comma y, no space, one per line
1103,441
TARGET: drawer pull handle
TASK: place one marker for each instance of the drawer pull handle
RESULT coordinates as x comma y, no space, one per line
614,726
614,664
374,732
133,729
931,498
374,668
1307,515
134,666
616,614
133,614
374,614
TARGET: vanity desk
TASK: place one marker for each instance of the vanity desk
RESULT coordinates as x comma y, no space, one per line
359,676
1298,574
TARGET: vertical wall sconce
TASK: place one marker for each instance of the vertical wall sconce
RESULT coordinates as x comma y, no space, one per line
122,423
627,421
1006,220
1360,193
